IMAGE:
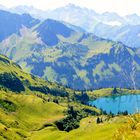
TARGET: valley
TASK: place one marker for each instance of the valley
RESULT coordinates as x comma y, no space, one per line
31,113
69,74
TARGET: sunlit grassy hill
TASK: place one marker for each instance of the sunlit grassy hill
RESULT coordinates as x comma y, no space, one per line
29,104
21,108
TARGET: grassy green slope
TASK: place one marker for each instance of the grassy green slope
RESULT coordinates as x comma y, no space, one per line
88,130
29,114
23,112
117,128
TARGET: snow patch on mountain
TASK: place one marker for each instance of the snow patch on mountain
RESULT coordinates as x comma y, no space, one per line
113,23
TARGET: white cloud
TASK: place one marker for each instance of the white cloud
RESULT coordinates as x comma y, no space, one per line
122,7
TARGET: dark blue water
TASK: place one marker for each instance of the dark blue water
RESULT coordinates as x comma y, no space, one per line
115,104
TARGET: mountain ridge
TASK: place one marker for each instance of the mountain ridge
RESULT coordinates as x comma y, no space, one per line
77,59
105,25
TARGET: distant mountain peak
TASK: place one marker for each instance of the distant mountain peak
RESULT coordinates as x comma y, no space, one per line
49,29
2,6
110,14
132,16
51,21
54,25
71,5
23,6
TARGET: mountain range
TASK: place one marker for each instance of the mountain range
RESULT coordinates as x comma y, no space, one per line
105,25
64,53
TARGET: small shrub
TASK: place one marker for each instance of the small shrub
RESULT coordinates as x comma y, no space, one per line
7,105
68,124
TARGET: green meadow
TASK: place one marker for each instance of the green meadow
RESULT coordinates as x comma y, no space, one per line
34,109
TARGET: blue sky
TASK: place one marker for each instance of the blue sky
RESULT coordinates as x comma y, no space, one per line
121,7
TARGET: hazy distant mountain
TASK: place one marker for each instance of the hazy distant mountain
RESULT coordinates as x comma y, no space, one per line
106,25
56,52
72,14
133,19
3,7
36,13
129,34
24,9
78,15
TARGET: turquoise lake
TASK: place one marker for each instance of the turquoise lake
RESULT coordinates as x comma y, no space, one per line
115,104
